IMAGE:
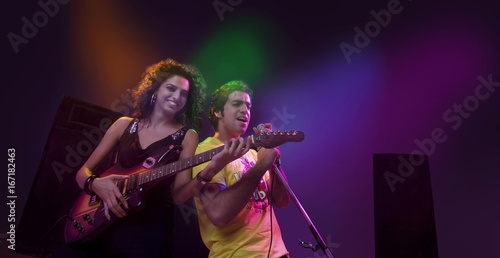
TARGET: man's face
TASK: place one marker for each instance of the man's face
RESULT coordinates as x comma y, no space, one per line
236,116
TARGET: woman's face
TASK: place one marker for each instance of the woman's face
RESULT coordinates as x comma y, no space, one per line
172,94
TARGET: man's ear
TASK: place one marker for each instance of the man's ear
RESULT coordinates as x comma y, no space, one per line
218,114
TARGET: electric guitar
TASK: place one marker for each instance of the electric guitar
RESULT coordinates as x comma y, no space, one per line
87,219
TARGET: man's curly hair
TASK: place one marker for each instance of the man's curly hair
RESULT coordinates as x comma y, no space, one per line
155,75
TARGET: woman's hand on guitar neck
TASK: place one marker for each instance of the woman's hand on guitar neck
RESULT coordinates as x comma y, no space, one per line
111,197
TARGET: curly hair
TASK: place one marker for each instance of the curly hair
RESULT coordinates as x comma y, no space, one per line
155,75
219,99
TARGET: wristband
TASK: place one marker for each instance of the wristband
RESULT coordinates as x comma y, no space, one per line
86,186
202,180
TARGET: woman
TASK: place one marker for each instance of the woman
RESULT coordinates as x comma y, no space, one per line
168,105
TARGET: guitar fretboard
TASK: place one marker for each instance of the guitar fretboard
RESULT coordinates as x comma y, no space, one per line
271,138
171,168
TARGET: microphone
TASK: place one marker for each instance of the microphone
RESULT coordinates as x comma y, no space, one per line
261,128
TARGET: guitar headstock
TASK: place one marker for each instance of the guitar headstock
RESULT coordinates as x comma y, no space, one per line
274,139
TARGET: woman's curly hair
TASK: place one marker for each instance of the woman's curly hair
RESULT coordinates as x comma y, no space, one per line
155,75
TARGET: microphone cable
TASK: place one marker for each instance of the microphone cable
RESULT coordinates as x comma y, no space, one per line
271,214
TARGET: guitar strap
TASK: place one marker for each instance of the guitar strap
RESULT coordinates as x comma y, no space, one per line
157,148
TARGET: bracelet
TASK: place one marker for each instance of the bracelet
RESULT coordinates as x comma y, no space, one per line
86,186
200,179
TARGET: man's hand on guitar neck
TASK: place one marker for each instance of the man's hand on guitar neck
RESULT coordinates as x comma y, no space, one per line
111,197
266,157
233,149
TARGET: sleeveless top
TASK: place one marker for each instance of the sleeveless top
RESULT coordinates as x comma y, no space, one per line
158,198
150,231
130,152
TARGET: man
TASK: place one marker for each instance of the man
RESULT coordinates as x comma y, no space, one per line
234,206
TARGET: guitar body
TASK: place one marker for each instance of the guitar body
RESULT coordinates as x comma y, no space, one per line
87,213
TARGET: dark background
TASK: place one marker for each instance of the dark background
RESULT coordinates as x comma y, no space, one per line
404,83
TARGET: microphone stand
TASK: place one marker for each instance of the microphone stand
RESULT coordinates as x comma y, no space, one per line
314,231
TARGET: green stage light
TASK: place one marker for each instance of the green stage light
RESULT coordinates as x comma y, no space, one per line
236,52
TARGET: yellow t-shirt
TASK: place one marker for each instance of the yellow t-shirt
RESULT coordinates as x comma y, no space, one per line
249,233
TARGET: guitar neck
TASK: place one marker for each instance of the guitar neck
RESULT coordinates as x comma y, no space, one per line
180,165
177,166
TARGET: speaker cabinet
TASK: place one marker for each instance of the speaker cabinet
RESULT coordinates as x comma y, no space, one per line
404,210
77,129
